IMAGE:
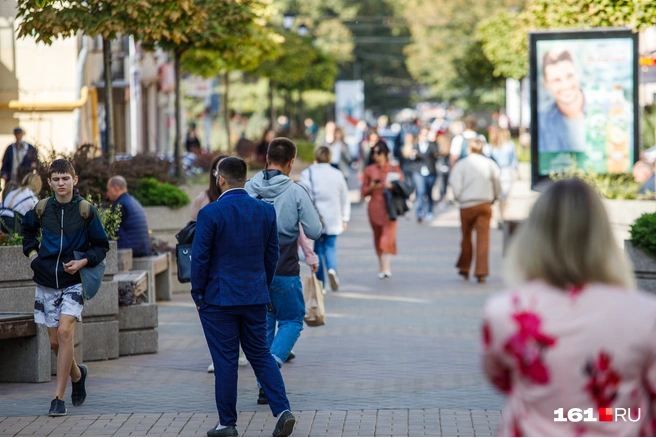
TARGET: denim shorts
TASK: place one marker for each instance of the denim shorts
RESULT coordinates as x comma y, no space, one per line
49,303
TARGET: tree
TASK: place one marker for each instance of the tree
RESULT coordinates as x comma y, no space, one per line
505,35
444,33
179,26
261,44
55,19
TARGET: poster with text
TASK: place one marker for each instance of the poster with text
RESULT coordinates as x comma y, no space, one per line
584,101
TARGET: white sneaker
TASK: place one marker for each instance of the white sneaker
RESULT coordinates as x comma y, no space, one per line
334,280
243,361
429,217
381,275
210,369
388,274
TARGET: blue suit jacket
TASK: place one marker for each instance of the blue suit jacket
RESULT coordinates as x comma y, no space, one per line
235,251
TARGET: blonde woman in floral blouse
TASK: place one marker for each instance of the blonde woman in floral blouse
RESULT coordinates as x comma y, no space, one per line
573,333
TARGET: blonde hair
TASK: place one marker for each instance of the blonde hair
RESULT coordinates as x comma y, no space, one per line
567,241
33,182
323,154
498,136
476,145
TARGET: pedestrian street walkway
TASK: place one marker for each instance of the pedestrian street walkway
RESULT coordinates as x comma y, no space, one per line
397,357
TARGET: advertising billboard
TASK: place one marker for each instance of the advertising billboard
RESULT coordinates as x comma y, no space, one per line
584,102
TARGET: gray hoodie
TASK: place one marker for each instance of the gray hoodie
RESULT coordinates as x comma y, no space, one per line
293,205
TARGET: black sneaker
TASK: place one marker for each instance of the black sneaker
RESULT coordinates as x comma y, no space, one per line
79,388
262,398
226,431
57,408
291,356
285,424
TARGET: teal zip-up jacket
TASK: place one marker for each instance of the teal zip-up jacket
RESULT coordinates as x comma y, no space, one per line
63,232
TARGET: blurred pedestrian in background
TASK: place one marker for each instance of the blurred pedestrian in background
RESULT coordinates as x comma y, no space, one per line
18,202
405,158
329,192
460,143
341,157
504,154
572,332
424,174
475,183
377,178
366,157
443,163
19,157
643,174
263,145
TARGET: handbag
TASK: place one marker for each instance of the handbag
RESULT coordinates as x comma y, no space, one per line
183,251
315,312
91,277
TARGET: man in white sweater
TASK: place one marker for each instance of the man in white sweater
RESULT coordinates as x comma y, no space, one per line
475,183
329,192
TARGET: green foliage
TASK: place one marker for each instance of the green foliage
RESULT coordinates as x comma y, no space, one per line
648,128
305,151
504,45
150,192
94,171
643,233
444,35
109,217
609,186
12,239
504,35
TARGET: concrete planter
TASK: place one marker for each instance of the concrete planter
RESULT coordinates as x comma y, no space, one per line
644,267
124,260
137,329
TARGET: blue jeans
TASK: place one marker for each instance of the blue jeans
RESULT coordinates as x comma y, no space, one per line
225,328
424,186
326,248
288,311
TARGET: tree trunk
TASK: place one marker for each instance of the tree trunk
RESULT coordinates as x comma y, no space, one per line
177,152
272,108
226,109
301,115
290,111
110,148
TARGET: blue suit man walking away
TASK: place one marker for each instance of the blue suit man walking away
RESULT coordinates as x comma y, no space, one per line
293,205
235,254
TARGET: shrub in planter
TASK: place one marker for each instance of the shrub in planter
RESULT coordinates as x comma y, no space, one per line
150,192
94,170
643,233
305,150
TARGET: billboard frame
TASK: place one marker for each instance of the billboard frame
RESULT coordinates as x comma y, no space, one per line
537,180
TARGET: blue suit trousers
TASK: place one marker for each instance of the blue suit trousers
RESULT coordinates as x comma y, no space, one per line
225,327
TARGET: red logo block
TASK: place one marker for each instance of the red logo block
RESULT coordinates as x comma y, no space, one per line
606,414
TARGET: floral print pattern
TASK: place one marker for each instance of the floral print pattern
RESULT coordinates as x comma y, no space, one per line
603,380
527,346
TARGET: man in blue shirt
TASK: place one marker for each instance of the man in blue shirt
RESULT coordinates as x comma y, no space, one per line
133,231
561,124
235,254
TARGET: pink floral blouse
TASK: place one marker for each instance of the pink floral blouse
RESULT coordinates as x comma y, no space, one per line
591,347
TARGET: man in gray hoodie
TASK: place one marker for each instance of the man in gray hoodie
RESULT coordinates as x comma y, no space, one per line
293,205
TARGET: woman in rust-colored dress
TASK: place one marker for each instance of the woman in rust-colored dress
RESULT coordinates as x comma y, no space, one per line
374,182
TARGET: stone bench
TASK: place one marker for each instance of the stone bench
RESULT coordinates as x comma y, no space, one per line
24,349
137,282
159,275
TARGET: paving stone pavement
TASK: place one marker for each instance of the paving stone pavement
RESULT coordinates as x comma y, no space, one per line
397,357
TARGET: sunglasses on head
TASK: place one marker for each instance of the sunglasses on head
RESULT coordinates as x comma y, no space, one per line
215,172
